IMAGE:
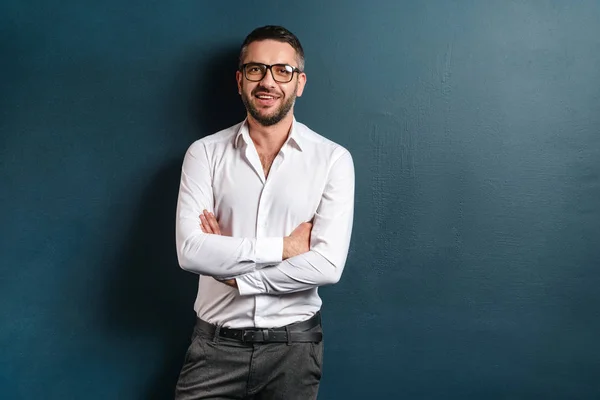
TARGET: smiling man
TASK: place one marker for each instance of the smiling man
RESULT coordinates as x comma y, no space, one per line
264,217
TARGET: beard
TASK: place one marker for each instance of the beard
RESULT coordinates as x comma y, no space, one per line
277,115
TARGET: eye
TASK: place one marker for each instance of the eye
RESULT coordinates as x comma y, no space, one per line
254,69
284,69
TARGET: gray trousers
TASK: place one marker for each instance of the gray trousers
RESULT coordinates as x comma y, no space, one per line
219,368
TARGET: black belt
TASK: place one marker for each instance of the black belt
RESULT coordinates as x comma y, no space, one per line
297,332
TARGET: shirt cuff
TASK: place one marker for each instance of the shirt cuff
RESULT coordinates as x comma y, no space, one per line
268,250
250,283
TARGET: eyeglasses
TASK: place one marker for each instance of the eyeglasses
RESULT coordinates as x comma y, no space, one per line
281,73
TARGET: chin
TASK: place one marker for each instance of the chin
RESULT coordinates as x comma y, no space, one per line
267,114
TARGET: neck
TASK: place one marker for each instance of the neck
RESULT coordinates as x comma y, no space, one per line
270,138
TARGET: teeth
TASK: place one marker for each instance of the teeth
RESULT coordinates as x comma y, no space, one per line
265,97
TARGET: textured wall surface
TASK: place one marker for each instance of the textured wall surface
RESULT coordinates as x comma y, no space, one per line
475,130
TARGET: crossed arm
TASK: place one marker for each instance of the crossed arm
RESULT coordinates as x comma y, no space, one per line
265,265
296,243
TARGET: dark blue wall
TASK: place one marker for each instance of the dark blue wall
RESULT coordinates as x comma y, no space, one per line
475,129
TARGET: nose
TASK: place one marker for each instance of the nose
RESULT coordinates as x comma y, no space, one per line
268,80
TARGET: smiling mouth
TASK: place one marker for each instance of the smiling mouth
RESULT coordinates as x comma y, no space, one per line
265,97
265,100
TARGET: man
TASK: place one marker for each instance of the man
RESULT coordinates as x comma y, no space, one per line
264,216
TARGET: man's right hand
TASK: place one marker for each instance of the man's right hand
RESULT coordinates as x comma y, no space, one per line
298,241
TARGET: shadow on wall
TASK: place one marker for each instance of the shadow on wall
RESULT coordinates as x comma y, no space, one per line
151,297
215,103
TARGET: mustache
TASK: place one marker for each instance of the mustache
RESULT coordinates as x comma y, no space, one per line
262,89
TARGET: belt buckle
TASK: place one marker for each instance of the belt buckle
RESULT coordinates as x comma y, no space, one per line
247,335
256,335
265,333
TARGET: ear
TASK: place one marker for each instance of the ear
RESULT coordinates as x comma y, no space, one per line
301,84
238,78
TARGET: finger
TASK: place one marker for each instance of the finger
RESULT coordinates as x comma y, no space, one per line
202,224
205,225
205,217
212,221
215,224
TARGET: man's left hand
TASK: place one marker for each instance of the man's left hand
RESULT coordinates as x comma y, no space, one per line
209,224
230,282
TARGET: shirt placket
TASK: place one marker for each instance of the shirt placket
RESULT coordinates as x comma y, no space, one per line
262,227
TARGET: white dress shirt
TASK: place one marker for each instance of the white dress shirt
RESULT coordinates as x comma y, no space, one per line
311,179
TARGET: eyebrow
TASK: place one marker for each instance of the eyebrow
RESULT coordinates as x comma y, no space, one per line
258,62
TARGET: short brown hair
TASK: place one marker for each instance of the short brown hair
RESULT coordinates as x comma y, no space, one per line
274,32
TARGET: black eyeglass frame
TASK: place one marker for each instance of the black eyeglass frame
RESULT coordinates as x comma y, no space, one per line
269,67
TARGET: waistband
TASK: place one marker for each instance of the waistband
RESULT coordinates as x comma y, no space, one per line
292,333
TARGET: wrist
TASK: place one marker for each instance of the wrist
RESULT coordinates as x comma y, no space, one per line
286,246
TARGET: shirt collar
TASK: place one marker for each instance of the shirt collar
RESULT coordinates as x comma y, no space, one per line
243,135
